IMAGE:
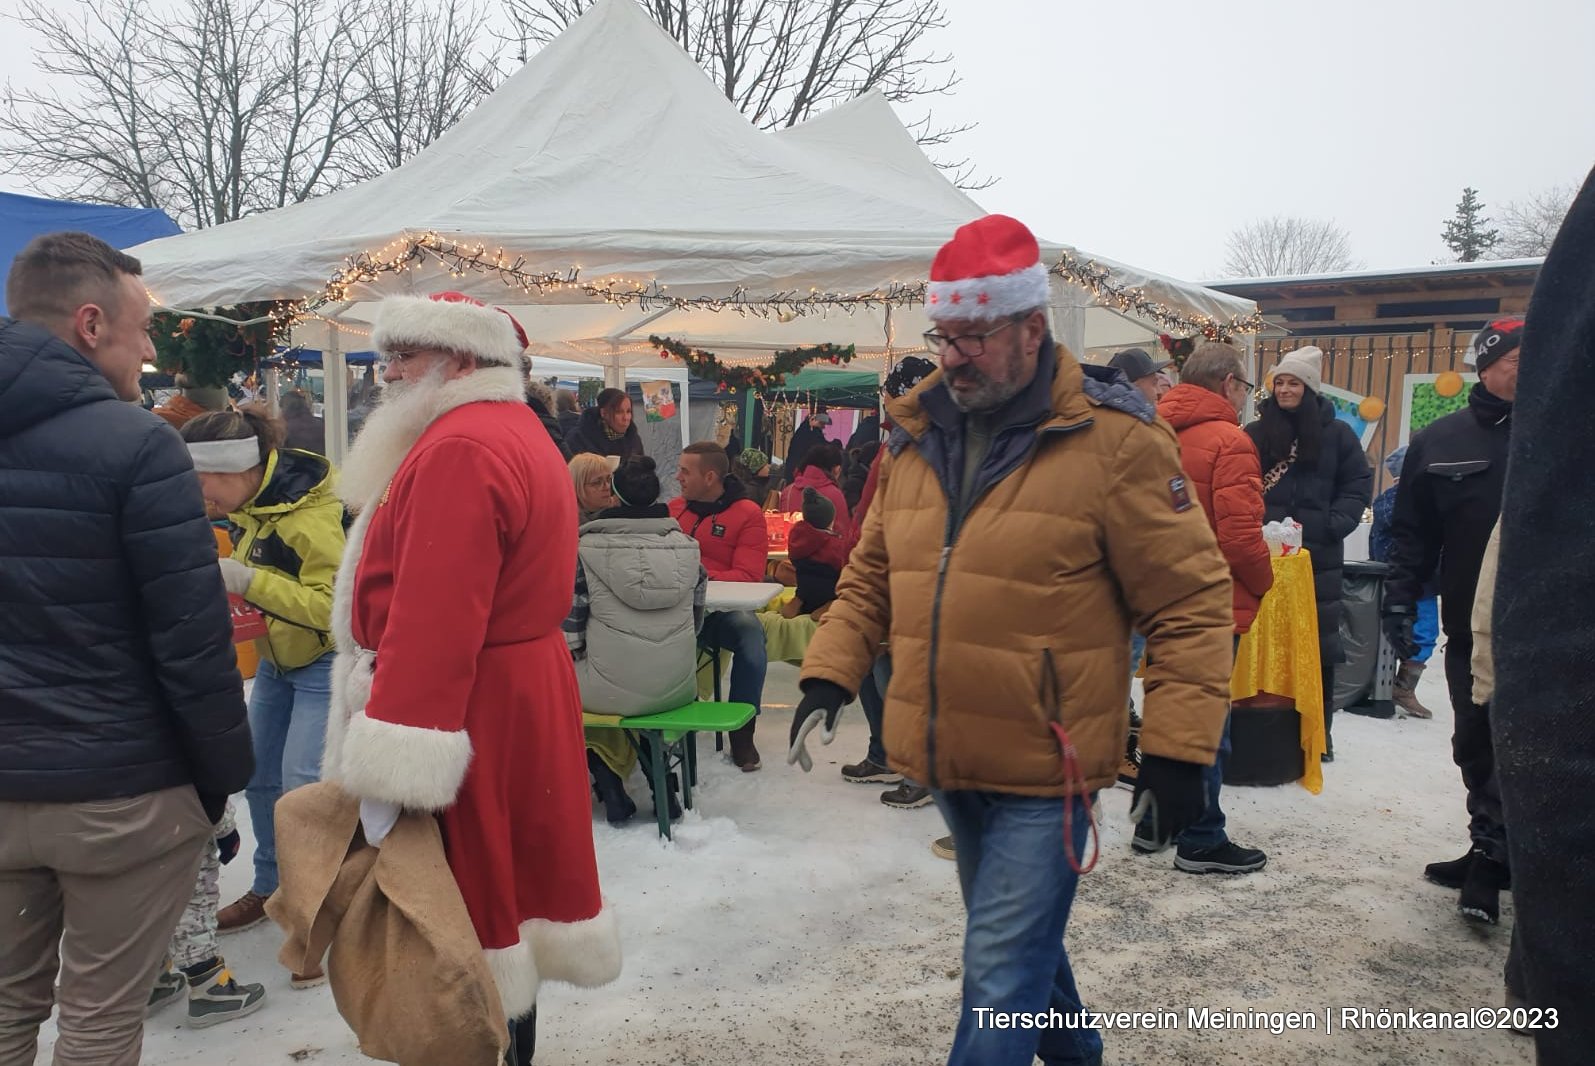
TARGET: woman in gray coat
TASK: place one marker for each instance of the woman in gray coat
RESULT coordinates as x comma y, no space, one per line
633,628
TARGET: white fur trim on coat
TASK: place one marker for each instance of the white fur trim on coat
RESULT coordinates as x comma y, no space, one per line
585,953
417,321
988,298
418,768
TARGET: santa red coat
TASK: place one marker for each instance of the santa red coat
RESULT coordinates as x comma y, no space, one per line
453,688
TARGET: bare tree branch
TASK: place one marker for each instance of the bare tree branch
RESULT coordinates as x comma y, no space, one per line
1287,247
1529,226
225,107
784,61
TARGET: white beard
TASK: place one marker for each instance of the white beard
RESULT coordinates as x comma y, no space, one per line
404,413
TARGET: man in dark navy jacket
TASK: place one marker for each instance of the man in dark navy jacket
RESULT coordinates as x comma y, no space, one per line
122,720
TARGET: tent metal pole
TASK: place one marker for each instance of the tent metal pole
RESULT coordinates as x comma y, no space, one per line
273,391
335,390
622,334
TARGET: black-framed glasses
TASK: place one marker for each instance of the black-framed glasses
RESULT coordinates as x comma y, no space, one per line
1243,383
970,345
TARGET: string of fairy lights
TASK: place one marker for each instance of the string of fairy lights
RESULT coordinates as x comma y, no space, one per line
457,259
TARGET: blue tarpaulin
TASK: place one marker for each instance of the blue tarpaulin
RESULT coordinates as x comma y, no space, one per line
23,218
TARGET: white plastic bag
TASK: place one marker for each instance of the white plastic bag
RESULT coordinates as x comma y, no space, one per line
1283,537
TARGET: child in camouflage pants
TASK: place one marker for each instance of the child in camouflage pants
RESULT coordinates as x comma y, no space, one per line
193,963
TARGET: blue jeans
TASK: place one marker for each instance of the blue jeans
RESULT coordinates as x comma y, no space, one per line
872,695
1017,888
1426,628
740,633
288,718
1208,830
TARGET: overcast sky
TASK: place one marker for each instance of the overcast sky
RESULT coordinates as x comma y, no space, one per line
1146,131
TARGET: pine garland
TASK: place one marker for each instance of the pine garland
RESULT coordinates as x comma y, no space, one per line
209,353
761,379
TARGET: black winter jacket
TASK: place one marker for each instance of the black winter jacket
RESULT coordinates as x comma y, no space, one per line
591,437
117,674
1327,498
1447,502
551,424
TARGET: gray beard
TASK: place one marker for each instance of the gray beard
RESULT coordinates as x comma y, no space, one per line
401,416
987,396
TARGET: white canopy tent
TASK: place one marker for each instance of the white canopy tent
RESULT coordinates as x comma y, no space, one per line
609,162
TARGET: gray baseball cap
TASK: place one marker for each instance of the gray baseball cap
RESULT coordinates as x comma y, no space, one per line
1136,364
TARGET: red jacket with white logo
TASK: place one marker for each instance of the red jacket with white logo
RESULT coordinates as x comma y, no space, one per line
731,536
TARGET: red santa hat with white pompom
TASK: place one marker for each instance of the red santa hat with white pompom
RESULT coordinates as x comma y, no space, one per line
990,269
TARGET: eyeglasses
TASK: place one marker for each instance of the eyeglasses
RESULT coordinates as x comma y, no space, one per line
402,355
598,482
970,345
1243,383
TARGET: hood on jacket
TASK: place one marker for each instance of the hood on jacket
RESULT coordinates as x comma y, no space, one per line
1063,393
733,493
291,477
648,563
41,376
1187,405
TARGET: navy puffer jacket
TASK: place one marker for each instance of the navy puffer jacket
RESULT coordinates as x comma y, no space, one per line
117,674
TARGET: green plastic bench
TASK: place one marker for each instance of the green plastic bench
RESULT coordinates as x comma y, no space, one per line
672,737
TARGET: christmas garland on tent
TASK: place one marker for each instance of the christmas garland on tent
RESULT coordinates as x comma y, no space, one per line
209,350
772,375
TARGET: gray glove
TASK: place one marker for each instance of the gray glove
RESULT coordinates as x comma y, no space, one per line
236,576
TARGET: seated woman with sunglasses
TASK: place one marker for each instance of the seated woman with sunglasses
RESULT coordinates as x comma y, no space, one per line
633,628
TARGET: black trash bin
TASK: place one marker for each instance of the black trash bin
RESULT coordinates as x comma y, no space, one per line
1365,682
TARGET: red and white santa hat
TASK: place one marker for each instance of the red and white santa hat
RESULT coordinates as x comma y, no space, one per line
451,321
990,269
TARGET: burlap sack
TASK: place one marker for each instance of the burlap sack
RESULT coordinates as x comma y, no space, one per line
405,967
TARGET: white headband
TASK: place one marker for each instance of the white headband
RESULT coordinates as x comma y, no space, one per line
225,456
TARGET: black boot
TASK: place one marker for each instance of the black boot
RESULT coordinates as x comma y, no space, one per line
523,1040
1449,874
1481,892
743,753
618,807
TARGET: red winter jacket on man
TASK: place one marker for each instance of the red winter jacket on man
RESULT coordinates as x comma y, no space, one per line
732,539
1221,464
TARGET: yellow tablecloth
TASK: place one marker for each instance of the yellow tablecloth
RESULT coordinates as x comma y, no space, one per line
1279,655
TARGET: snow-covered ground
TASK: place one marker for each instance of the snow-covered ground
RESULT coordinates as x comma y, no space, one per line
797,920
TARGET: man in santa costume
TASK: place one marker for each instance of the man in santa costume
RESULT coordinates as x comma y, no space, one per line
453,691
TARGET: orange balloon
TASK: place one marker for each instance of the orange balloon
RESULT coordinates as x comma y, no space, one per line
1371,409
1448,384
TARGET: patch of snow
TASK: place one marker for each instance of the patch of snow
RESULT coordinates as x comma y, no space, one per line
795,920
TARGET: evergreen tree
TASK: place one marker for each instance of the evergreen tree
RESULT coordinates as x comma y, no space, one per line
1466,234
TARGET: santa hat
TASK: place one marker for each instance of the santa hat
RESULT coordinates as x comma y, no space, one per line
451,321
990,269
1305,364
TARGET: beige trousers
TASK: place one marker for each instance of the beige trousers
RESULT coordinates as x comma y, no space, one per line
92,891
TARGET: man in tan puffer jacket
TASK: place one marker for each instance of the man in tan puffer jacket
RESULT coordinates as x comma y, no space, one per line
1030,511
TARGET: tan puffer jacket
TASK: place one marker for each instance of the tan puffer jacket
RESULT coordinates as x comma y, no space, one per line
1020,616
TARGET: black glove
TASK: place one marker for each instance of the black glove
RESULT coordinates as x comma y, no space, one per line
1170,796
1397,622
818,696
228,846
215,807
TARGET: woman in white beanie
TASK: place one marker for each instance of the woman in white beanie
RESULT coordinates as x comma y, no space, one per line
1315,471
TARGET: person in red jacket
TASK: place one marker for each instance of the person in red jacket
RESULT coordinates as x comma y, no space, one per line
822,472
1223,476
818,555
734,546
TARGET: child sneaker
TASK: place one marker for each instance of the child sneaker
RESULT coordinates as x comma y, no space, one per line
215,997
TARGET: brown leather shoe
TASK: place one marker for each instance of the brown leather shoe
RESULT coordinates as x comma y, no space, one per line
743,753
245,912
315,976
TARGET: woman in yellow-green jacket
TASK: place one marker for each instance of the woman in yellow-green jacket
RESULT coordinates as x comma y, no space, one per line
289,539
